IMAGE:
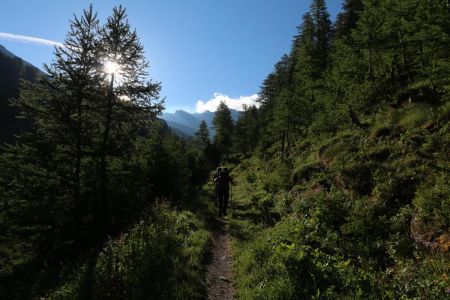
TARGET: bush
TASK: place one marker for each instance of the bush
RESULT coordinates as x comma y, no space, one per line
159,259
433,203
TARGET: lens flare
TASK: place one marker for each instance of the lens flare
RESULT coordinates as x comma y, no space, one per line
111,67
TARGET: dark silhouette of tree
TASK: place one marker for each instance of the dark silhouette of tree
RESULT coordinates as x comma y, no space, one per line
128,101
78,174
247,130
223,124
74,75
202,136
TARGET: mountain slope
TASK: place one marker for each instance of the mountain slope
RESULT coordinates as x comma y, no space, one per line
12,70
188,123
182,129
6,52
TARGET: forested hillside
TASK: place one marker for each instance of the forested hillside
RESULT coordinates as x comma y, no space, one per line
187,123
341,173
344,169
13,69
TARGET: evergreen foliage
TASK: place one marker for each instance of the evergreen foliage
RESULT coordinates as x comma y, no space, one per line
223,124
345,194
94,162
342,169
202,136
246,129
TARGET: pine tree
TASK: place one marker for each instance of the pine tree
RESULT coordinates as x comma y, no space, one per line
202,136
347,19
42,174
223,124
310,59
206,157
246,132
322,33
74,75
84,123
129,101
429,34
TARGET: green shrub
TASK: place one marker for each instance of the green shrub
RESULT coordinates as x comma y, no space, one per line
432,201
423,278
158,259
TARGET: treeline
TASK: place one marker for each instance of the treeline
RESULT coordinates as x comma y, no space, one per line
95,161
377,55
343,168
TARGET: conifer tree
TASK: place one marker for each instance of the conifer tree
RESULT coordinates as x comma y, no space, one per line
42,175
59,108
53,178
223,124
266,109
129,101
75,78
347,18
207,158
246,130
202,136
322,33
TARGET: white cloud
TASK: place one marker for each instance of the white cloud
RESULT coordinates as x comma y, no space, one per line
29,39
234,103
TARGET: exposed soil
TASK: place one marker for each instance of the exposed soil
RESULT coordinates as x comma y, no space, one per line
219,276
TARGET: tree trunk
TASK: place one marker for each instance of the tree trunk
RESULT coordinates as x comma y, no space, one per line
78,204
405,60
103,174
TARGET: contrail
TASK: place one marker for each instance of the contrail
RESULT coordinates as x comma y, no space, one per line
29,39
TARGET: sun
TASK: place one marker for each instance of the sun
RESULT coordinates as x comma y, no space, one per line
111,67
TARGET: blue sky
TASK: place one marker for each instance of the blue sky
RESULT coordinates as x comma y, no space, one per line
201,50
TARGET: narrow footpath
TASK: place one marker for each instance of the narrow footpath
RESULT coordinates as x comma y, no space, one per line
219,276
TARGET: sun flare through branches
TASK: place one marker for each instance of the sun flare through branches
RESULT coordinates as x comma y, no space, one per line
111,67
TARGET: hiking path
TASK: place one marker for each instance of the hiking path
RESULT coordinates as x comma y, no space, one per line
219,276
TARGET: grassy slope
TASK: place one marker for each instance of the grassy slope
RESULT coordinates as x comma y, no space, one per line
362,214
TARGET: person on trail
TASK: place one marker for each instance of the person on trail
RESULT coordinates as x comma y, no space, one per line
222,182
216,196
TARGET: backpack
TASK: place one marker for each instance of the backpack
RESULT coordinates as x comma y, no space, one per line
222,181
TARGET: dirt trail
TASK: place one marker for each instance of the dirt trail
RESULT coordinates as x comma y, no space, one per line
219,276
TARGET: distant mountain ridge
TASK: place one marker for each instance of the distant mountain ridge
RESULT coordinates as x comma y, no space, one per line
188,123
14,68
6,52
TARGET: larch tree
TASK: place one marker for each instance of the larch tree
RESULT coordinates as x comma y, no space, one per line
246,132
42,183
322,33
223,124
202,136
130,100
347,18
75,78
54,184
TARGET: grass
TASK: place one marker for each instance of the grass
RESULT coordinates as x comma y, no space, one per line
343,229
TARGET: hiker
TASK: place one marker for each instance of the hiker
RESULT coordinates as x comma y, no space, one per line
216,196
222,182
